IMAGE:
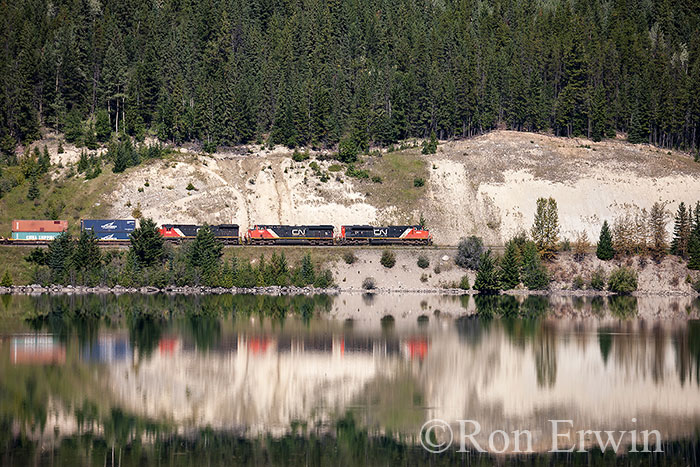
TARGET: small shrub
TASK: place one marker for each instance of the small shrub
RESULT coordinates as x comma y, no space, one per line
60,147
469,251
622,280
578,283
437,269
424,277
598,279
314,166
350,257
565,245
190,187
335,168
464,283
300,156
423,262
418,182
696,286
369,283
356,173
209,147
6,280
388,259
376,179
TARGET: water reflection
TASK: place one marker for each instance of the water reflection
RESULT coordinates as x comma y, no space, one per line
134,368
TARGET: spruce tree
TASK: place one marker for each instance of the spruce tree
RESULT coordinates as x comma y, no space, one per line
59,256
604,250
510,267
147,245
102,126
681,232
694,242
534,274
86,255
6,280
205,252
33,192
545,230
487,281
657,227
307,270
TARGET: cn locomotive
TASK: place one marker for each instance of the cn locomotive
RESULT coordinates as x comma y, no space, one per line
118,232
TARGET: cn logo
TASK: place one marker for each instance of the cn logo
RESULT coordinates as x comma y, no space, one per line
381,232
298,232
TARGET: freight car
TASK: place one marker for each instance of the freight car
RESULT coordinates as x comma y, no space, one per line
392,234
290,235
226,233
112,231
28,232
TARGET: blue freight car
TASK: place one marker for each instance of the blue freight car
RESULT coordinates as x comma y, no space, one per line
106,236
108,225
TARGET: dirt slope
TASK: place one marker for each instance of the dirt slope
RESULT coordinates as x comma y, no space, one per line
485,186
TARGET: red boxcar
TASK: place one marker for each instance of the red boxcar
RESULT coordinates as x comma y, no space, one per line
39,226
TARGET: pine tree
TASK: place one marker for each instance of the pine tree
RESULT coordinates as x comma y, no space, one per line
487,276
545,230
33,192
657,226
510,266
86,255
307,270
694,241
102,126
6,280
59,257
147,245
604,250
205,252
89,137
534,274
681,232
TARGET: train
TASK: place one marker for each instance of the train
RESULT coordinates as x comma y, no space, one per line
118,232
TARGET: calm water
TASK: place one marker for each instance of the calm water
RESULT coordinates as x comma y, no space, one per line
348,380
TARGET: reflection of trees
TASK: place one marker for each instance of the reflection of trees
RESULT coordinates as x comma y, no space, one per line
605,343
387,322
546,355
623,306
686,343
470,329
535,306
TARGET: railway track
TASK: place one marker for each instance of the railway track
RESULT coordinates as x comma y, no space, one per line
120,244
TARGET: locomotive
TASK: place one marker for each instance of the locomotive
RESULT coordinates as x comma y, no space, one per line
226,233
118,232
392,234
290,235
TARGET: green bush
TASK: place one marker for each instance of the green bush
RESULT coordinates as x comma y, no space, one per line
356,173
350,257
622,280
423,262
388,259
6,280
598,280
464,283
377,179
190,187
298,156
418,182
469,251
369,283
578,283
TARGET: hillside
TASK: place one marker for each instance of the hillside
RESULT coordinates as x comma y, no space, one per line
485,186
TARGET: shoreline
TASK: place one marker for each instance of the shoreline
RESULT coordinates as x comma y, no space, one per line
35,289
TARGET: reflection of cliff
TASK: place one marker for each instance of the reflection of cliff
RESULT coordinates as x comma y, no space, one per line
262,384
564,370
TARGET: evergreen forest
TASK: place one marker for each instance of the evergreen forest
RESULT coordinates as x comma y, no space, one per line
362,72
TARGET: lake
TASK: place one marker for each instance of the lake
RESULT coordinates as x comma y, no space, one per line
351,379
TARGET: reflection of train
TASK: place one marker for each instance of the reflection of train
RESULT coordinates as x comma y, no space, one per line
36,349
118,231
